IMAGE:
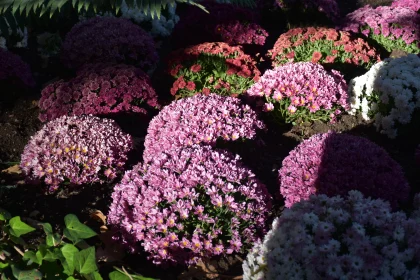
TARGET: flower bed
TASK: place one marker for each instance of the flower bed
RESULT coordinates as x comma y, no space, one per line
190,204
302,91
333,164
74,151
333,238
199,119
99,90
393,28
108,39
212,67
389,93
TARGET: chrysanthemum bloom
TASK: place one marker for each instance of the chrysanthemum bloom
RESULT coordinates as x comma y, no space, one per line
190,204
333,164
14,70
338,238
326,46
394,28
222,69
411,4
302,91
329,7
200,119
76,150
109,40
99,89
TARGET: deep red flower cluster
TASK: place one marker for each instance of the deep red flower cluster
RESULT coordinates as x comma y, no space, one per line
13,69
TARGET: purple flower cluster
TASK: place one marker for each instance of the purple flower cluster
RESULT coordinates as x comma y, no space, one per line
99,90
410,4
76,150
238,33
199,119
189,204
390,22
339,238
14,70
333,164
108,39
417,155
329,7
300,90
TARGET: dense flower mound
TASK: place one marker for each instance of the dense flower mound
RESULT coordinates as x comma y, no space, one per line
338,238
224,23
200,119
76,150
302,91
389,93
189,204
99,90
212,67
108,39
333,164
391,27
323,45
14,70
411,4
329,7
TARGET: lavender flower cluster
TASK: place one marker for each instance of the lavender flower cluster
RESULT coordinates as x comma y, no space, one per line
99,89
329,7
189,204
76,150
108,39
302,90
410,4
199,119
336,238
391,27
333,164
14,70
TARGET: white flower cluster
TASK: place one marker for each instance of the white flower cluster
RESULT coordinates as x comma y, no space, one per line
21,34
336,238
389,92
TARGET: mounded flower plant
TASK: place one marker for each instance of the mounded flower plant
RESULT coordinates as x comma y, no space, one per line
77,150
14,70
190,204
338,238
212,67
99,89
333,164
411,4
108,40
303,91
200,119
389,93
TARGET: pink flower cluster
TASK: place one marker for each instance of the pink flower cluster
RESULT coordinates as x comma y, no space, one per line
76,150
329,7
99,89
390,22
410,4
108,39
238,33
333,164
199,119
14,70
301,89
190,204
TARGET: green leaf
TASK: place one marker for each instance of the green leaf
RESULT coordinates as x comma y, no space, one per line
52,239
69,252
18,228
94,276
3,265
85,261
75,230
26,274
33,257
120,275
4,215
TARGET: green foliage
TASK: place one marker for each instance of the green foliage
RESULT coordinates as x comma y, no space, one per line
53,257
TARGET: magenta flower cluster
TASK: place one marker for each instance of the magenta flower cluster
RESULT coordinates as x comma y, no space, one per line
108,39
76,150
391,22
329,7
339,238
239,33
14,70
333,164
99,90
411,4
302,90
189,204
200,119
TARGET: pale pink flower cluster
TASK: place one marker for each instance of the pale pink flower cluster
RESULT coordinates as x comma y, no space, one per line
76,150
188,204
200,119
411,4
